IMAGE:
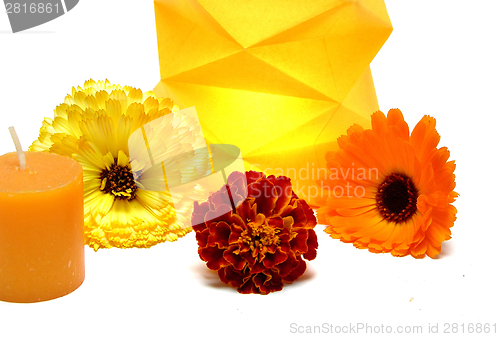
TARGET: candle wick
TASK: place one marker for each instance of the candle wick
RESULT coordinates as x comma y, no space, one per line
20,154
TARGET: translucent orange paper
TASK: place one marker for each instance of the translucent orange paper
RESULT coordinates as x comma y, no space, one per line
280,79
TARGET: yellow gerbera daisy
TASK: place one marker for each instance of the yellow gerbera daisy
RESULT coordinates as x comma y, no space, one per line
93,126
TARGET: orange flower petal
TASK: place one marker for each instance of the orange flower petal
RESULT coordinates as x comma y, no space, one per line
395,118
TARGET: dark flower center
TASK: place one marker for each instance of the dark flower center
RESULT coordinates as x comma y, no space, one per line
397,198
259,235
119,181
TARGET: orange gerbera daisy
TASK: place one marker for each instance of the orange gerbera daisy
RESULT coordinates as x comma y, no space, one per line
390,191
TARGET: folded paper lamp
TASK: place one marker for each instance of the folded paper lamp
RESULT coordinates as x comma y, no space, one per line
279,79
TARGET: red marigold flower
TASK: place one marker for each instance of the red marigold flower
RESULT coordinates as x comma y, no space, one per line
260,245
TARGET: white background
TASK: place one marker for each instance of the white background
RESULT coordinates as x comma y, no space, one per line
442,59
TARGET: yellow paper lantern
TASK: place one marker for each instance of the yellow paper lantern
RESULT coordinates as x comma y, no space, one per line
280,79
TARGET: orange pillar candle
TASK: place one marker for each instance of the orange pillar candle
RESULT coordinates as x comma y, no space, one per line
41,227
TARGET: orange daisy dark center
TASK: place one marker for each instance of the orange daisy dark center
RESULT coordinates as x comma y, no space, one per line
119,181
397,198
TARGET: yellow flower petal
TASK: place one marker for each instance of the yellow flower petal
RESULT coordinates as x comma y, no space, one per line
93,126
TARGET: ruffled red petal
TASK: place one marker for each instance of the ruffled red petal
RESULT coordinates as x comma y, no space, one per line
299,242
268,281
202,236
247,211
233,277
214,257
283,188
219,234
288,265
198,216
249,287
253,176
236,260
272,260
217,214
294,274
265,196
237,181
312,244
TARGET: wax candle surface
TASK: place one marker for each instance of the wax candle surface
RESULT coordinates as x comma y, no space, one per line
41,227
